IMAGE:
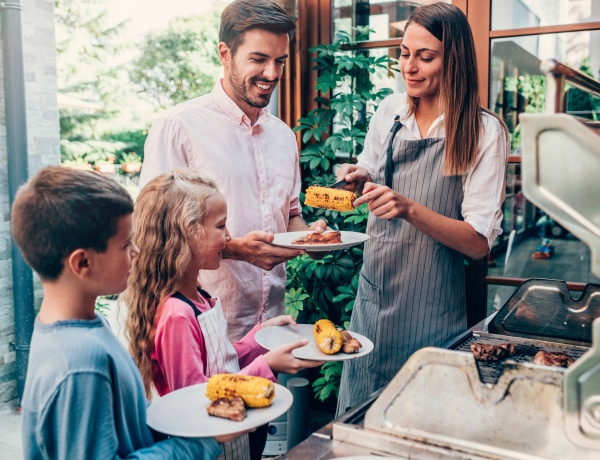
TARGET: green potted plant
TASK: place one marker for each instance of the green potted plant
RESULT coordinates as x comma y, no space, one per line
131,162
77,163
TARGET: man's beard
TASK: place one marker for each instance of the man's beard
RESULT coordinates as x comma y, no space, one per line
242,89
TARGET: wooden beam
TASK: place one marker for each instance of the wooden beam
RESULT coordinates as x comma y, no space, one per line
566,28
479,16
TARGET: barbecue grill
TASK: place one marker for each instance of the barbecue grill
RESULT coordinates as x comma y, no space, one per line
443,403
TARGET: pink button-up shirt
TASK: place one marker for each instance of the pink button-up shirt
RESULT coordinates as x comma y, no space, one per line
256,169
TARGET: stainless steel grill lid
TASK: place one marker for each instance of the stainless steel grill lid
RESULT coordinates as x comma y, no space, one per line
544,309
439,402
561,174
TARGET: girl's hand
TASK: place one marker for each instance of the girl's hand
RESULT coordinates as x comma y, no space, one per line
281,359
280,320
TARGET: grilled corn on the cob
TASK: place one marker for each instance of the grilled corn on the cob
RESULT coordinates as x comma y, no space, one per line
329,198
327,336
255,391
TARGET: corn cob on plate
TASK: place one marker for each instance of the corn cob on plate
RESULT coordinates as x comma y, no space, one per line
349,239
183,413
329,198
327,337
276,336
255,391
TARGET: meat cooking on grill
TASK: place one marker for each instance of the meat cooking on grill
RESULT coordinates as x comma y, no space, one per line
492,352
552,358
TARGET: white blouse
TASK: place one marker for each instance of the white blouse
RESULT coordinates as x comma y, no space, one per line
484,184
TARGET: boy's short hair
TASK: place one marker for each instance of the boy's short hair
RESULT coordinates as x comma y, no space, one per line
60,210
241,16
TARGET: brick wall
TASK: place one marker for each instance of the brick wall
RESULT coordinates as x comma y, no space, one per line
43,149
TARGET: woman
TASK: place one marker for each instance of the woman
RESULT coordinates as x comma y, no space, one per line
433,169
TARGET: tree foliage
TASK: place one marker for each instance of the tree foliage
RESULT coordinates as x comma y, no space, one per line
179,63
130,81
86,40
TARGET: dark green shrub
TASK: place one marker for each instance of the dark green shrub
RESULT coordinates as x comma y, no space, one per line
332,133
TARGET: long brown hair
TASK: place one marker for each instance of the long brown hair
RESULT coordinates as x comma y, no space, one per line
168,212
459,90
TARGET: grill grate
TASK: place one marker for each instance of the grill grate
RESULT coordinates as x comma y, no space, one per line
525,350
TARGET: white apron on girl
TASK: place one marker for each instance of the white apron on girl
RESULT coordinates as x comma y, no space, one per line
221,358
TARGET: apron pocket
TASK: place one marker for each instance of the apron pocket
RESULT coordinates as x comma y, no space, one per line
367,322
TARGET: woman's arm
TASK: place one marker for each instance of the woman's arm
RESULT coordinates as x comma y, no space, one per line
387,204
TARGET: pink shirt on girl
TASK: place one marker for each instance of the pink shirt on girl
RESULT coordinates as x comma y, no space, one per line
179,355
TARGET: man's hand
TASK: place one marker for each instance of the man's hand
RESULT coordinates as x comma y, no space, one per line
255,248
230,437
319,226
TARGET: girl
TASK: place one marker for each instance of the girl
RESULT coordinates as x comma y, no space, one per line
433,169
177,331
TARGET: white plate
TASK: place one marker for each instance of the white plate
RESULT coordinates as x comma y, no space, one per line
366,457
183,413
349,239
275,336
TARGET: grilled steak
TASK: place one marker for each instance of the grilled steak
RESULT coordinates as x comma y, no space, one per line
492,352
552,358
349,343
232,409
330,237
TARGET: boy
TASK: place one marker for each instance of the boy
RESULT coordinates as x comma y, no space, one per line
83,397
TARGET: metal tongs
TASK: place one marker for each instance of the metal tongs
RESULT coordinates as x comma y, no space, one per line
338,184
343,183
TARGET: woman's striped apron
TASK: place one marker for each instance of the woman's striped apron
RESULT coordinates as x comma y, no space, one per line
411,291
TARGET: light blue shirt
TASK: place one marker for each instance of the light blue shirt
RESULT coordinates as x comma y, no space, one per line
84,399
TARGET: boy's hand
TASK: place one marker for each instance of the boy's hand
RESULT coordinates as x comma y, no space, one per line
230,437
280,320
281,359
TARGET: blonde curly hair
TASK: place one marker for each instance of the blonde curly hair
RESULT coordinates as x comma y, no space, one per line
168,212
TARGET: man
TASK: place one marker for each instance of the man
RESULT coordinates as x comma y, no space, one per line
253,156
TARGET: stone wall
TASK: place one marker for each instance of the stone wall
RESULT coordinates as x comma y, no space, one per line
43,149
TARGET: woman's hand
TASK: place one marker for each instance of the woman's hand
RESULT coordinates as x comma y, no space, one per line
356,176
384,202
281,359
280,320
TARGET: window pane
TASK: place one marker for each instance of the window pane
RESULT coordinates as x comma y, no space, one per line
516,82
517,85
514,14
385,17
